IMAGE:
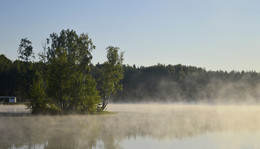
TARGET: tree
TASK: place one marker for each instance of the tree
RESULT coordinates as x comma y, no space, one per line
25,50
62,80
70,85
5,75
26,54
37,104
111,74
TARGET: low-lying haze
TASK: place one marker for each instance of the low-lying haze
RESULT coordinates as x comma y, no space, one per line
135,126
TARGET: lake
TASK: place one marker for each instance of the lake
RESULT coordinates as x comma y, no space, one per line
152,126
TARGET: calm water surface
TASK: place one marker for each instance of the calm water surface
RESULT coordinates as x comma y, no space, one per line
141,126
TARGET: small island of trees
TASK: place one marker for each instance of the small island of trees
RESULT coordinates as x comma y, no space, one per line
61,82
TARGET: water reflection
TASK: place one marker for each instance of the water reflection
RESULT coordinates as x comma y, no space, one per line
132,123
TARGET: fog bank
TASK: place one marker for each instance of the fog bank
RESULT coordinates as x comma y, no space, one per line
154,121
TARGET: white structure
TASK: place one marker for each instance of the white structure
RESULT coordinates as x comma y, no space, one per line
10,99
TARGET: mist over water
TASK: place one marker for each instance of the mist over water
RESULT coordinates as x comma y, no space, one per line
179,83
135,126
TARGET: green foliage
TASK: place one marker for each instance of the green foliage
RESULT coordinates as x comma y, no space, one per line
5,75
61,82
70,83
23,76
26,54
70,86
111,74
179,83
37,102
25,50
90,96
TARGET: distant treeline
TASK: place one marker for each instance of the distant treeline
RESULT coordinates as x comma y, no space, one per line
158,83
12,77
179,83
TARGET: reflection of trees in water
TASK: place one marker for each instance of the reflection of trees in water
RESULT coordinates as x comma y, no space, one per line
54,132
107,131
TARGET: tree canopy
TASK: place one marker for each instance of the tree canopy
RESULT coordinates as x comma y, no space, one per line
25,50
111,73
61,82
65,80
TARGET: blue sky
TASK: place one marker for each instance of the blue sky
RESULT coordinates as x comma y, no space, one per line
214,34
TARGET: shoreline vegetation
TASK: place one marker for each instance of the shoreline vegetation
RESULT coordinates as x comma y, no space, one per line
61,82
10,109
64,80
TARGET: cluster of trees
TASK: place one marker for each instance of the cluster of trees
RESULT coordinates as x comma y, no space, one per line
61,81
64,79
179,83
158,83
